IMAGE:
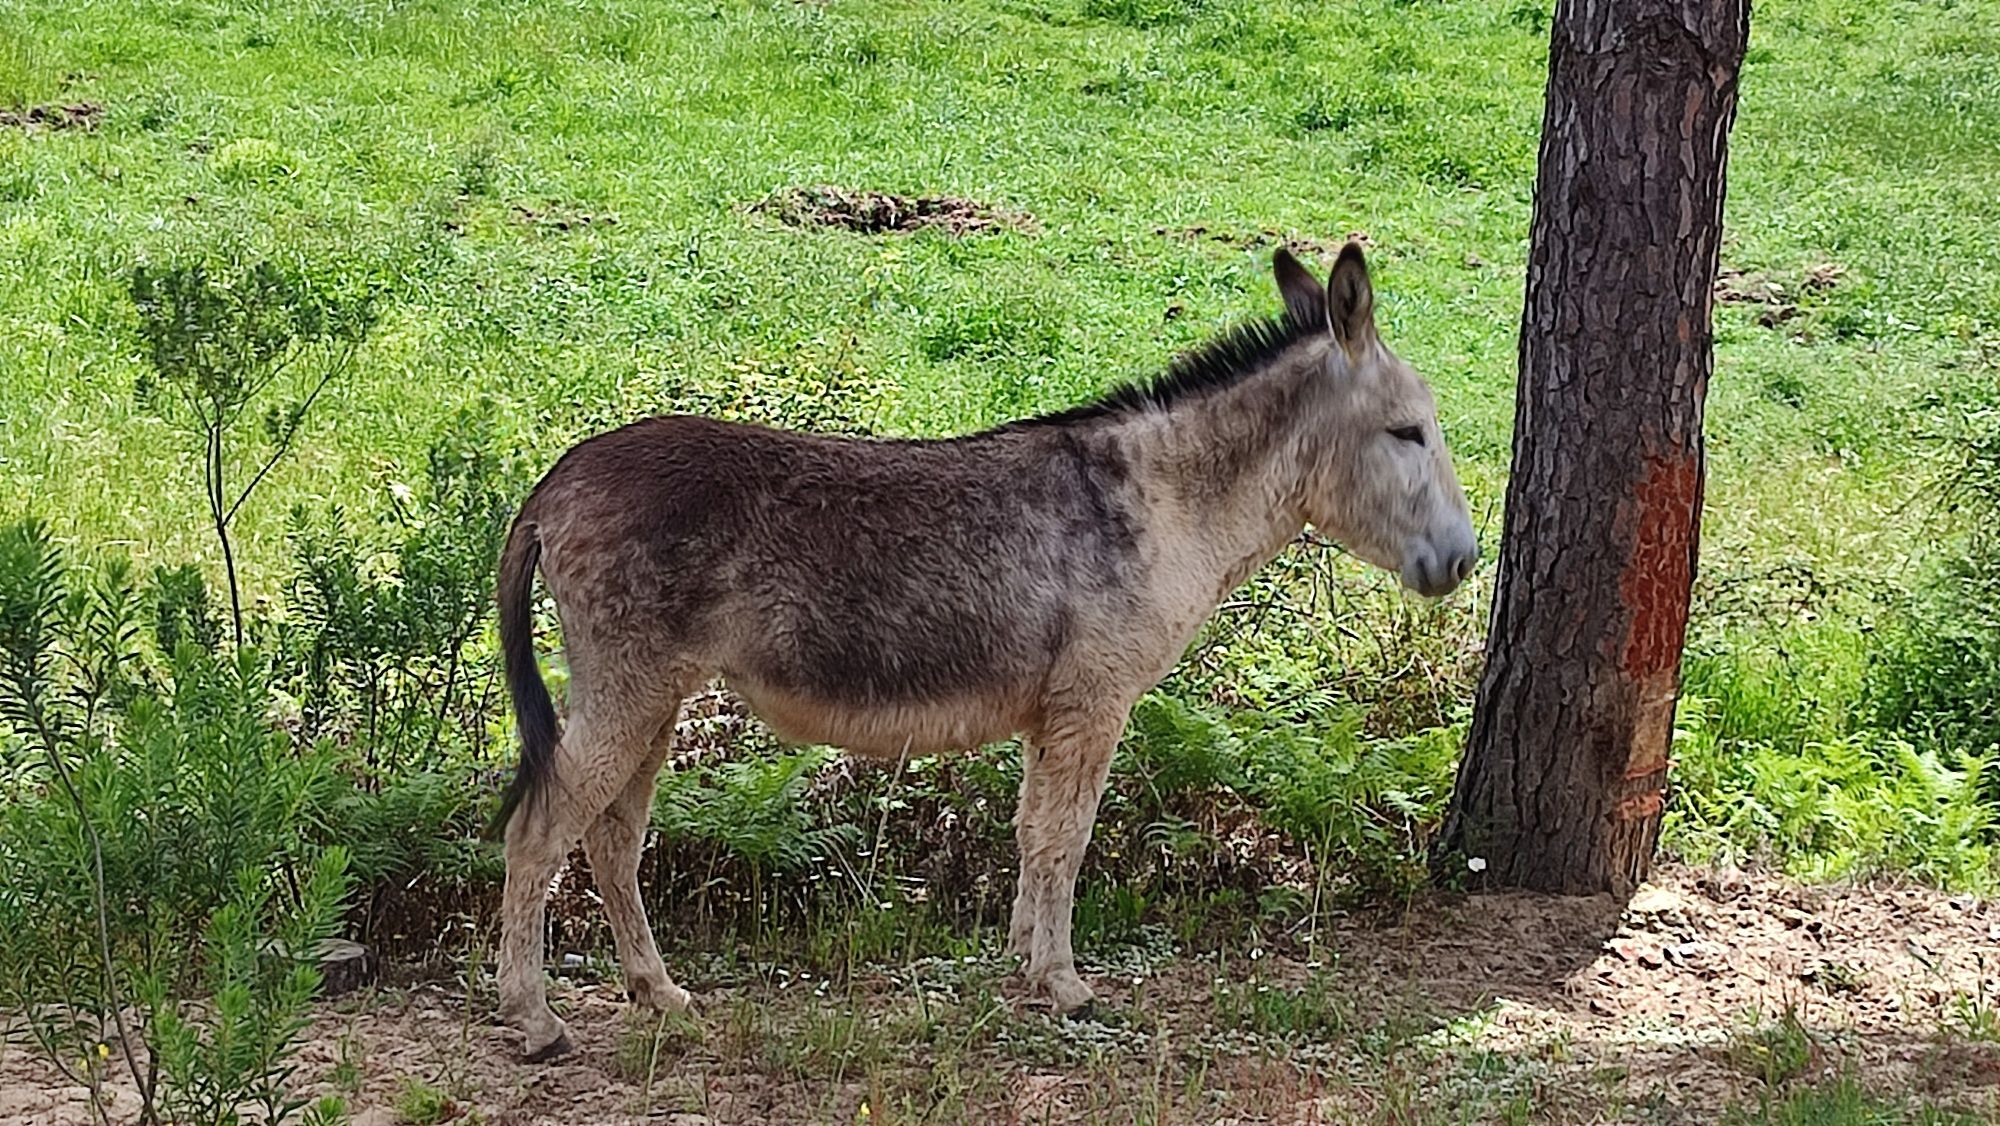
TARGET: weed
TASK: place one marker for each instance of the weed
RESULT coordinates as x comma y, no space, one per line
1839,977
1306,1012
652,1045
421,1104
1976,1015
253,160
1843,1102
1774,1051
346,1073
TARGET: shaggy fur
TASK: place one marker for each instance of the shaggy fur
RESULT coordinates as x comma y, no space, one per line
908,597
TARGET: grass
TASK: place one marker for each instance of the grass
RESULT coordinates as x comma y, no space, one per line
1845,1102
556,200
1775,1051
407,138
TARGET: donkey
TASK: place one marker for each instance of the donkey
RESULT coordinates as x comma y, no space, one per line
909,597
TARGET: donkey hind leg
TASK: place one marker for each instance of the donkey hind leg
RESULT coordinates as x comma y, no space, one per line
614,842
1062,780
592,763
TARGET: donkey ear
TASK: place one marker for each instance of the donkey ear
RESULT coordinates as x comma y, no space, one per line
1305,301
1350,299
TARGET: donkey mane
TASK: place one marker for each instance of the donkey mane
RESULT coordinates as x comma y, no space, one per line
1236,355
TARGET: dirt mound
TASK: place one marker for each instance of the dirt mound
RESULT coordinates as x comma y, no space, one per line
1682,989
1737,287
874,213
1268,236
559,217
75,115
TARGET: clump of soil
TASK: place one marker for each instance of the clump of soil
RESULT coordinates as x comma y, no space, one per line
1268,236
1737,287
559,217
875,213
75,115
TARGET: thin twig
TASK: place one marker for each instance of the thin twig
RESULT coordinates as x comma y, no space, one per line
47,734
882,822
291,432
212,479
450,683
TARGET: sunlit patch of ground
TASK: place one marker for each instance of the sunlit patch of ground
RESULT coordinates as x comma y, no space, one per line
1711,991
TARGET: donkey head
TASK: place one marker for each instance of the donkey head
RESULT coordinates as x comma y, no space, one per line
1378,480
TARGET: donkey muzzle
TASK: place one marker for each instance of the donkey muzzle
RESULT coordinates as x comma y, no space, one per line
1435,570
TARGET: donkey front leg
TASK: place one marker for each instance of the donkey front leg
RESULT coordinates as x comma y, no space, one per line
614,843
1062,779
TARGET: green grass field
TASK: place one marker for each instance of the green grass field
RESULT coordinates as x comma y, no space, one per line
559,203
434,144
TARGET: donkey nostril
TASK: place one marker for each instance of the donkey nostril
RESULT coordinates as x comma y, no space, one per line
1466,563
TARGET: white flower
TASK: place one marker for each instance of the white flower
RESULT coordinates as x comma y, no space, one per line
1476,863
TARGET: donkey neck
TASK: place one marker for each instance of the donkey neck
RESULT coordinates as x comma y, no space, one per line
1232,465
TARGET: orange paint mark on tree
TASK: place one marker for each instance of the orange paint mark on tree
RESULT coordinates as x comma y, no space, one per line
1656,580
1638,807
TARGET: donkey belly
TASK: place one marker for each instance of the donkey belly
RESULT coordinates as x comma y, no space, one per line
882,729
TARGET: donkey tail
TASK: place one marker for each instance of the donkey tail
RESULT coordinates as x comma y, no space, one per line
534,712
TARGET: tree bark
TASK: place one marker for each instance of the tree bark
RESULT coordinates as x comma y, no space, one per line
1565,772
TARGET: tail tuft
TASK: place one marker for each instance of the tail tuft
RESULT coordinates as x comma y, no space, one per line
534,712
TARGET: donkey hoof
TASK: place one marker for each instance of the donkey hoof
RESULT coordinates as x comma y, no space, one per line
560,1046
1067,993
1085,1013
659,995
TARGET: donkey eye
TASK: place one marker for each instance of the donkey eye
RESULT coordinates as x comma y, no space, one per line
1408,433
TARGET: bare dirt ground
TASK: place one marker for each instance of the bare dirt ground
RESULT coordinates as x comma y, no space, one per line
873,213
76,115
1710,990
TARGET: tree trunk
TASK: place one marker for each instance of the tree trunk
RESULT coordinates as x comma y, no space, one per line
1565,771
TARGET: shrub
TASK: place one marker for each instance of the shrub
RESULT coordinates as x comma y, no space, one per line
158,888
253,344
1937,672
380,638
1362,809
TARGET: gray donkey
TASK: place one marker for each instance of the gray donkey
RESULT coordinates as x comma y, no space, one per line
907,597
